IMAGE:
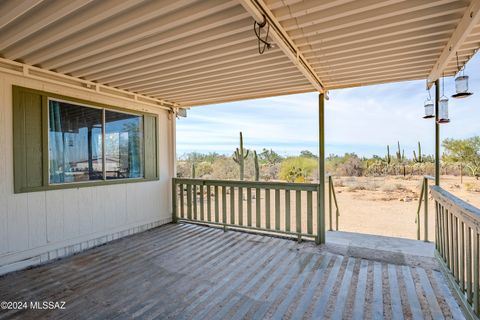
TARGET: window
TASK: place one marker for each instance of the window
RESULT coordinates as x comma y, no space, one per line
123,145
61,143
87,144
75,143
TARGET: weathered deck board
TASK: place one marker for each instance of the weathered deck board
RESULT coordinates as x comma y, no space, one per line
191,272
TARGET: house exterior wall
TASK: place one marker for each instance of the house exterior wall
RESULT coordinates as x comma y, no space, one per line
40,226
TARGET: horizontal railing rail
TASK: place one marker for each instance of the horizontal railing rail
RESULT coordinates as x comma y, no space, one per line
273,207
423,198
457,234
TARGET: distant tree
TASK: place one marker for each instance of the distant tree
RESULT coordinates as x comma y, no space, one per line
196,157
269,157
350,165
466,152
308,154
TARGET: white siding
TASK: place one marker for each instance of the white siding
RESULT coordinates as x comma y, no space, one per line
54,223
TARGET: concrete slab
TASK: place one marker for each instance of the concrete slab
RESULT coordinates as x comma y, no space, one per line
388,244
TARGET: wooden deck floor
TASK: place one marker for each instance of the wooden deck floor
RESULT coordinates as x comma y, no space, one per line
192,272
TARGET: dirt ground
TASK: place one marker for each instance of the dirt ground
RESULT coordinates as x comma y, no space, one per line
388,205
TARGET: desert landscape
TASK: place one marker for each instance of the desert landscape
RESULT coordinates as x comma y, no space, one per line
385,205
375,195
388,205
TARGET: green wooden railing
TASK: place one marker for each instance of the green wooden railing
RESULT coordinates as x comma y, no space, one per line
457,234
272,207
423,198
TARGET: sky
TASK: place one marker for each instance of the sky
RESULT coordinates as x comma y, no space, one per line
362,120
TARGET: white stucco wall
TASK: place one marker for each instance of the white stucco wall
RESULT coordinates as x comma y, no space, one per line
40,226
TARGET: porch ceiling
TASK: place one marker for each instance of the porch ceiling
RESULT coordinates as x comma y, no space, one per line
354,43
195,52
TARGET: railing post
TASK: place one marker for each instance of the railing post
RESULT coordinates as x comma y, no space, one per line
318,238
330,225
422,194
425,209
337,211
174,201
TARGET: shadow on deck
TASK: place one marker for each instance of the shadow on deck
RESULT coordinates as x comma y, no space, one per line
185,271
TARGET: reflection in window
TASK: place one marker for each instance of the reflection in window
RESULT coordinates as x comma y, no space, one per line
75,143
123,145
88,144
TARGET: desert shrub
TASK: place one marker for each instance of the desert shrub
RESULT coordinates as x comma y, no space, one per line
350,166
367,185
297,169
269,172
373,167
392,187
204,169
338,182
356,187
225,168
371,185
184,169
399,186
472,187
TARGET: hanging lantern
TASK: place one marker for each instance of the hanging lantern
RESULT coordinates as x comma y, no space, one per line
461,84
428,106
428,109
461,87
443,110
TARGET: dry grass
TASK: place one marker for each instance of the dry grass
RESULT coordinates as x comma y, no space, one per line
472,186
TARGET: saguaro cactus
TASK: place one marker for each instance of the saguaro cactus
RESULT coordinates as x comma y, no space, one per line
418,158
193,170
257,168
399,153
388,159
239,157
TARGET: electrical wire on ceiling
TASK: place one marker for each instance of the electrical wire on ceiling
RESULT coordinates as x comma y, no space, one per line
263,43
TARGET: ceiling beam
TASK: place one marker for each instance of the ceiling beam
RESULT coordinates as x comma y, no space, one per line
230,77
249,94
258,10
465,26
230,85
252,94
176,74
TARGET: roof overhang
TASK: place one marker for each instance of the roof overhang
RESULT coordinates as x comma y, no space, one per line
193,52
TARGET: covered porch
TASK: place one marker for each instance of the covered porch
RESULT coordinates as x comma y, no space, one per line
155,59
184,271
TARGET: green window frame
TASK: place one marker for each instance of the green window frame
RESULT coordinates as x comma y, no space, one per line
31,141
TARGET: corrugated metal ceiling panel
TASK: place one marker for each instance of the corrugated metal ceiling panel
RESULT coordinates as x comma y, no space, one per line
195,52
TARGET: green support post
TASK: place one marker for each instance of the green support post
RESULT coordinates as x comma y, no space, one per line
321,171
